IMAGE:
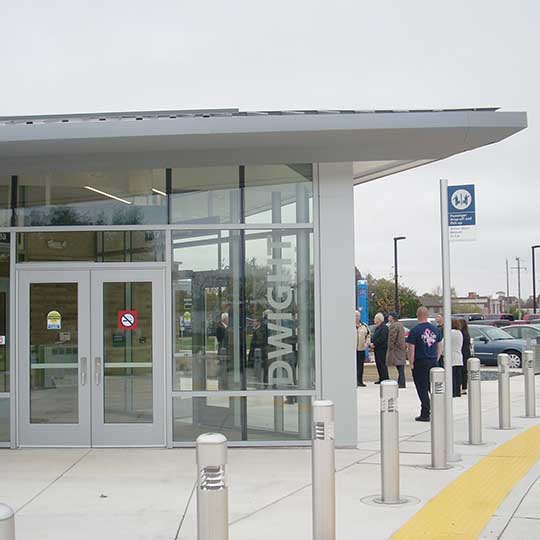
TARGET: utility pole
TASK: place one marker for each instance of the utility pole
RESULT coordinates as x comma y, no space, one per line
534,277
507,281
396,275
519,269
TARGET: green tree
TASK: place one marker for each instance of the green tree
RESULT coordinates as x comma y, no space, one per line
381,297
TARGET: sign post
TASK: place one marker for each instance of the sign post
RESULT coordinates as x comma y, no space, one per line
447,311
458,220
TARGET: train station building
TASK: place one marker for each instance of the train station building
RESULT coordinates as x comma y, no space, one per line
165,274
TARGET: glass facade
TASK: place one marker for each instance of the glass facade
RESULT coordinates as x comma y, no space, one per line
243,310
238,241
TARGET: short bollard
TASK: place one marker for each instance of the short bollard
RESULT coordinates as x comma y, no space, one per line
324,471
7,523
212,490
438,419
389,443
475,401
504,392
530,390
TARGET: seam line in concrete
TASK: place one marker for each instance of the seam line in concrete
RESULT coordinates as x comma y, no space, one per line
517,508
298,490
52,482
182,519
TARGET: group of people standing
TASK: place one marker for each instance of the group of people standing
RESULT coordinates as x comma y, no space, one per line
423,347
388,345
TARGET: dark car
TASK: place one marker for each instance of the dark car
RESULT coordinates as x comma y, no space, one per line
499,317
490,342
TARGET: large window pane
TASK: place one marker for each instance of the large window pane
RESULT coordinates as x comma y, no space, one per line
4,311
194,416
206,281
92,198
4,420
251,194
99,246
255,418
54,367
205,195
278,418
5,201
243,304
279,320
278,193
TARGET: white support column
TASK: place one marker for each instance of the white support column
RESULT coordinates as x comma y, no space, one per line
337,300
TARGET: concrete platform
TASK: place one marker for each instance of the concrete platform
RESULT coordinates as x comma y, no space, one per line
121,494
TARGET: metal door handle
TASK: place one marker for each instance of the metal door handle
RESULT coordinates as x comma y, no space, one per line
97,367
83,370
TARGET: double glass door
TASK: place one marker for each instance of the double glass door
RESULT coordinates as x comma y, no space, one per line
91,354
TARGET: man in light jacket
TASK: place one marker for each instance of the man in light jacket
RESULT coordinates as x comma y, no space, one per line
396,354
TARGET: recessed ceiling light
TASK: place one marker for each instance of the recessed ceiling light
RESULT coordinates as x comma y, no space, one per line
105,194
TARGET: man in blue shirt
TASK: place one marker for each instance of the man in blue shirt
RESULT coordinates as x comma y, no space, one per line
424,344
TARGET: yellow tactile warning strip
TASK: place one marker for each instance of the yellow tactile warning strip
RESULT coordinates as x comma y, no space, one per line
462,509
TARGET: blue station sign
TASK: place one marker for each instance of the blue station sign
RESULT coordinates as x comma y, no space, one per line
461,206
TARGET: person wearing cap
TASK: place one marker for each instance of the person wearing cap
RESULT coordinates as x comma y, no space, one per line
396,354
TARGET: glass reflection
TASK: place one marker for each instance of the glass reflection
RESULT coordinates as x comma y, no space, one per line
54,368
116,197
258,418
4,311
243,310
4,420
94,246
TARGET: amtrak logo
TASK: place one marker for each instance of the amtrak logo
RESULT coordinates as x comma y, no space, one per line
461,199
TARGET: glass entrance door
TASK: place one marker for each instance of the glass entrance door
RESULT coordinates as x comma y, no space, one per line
91,349
127,358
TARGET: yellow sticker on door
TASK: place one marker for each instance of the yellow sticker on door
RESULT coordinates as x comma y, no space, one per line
54,320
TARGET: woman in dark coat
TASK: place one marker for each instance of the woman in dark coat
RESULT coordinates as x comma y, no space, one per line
465,351
379,344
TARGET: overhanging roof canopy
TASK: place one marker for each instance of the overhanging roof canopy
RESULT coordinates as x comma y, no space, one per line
379,142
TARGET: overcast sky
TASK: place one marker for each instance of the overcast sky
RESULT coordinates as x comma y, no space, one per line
85,56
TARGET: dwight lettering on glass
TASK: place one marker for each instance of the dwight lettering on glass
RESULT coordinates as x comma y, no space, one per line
279,294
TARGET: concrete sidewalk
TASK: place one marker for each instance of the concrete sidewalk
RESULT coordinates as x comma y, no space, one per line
121,494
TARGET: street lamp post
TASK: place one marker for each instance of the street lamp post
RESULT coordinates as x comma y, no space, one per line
534,277
396,287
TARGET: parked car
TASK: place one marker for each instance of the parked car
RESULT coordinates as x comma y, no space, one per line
409,324
490,342
468,316
499,316
524,331
499,323
533,318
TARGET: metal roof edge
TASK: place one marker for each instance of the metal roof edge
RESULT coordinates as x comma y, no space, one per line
209,113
